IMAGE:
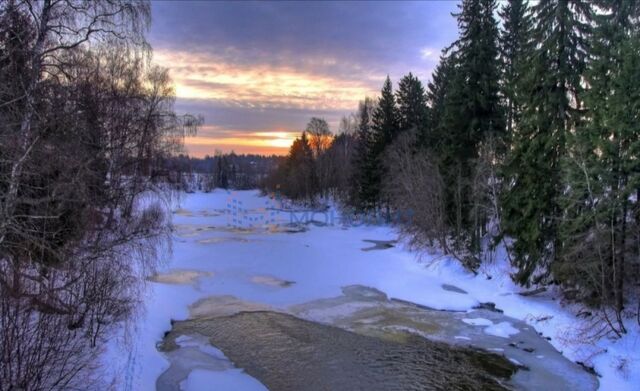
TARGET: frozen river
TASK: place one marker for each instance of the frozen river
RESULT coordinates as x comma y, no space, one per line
255,296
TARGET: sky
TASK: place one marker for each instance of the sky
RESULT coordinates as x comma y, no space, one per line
258,71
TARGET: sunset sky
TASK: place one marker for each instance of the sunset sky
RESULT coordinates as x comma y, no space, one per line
257,71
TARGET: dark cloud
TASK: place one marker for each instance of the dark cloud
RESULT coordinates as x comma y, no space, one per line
379,34
327,43
250,119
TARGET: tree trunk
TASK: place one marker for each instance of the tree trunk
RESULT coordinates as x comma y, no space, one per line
27,140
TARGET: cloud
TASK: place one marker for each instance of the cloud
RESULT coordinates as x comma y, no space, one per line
261,67
379,34
204,76
428,53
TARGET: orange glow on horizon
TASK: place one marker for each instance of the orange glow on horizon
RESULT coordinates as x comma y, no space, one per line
263,142
258,86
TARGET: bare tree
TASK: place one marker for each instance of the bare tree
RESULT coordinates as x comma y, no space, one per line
319,135
415,189
85,121
60,26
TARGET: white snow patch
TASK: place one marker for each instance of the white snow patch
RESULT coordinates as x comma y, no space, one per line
321,261
502,329
477,321
513,360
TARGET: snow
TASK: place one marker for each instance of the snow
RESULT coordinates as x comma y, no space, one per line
477,321
237,254
513,360
502,330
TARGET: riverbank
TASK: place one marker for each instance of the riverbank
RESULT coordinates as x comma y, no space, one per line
236,245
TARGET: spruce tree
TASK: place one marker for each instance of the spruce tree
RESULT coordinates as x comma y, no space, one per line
514,52
412,104
478,74
550,111
301,173
602,171
437,89
472,115
365,188
385,128
385,117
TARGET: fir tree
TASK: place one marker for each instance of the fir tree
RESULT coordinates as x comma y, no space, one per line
551,109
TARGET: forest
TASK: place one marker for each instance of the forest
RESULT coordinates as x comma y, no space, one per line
223,171
527,136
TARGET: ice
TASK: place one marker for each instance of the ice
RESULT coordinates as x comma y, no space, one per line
231,380
477,321
502,329
253,264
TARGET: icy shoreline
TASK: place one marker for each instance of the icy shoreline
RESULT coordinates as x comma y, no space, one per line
318,262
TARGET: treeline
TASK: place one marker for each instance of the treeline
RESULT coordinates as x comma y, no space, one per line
225,171
317,165
86,122
528,135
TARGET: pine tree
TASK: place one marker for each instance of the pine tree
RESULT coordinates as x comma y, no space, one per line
412,104
550,111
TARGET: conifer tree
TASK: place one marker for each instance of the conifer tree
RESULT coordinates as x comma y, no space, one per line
412,103
385,117
514,52
302,178
437,89
472,114
385,128
602,171
365,189
551,110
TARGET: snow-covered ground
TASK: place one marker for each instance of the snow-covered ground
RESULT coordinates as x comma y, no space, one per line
240,244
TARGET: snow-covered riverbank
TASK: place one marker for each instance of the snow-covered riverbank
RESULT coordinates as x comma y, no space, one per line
240,244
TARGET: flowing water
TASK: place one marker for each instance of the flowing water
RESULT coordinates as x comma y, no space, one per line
289,353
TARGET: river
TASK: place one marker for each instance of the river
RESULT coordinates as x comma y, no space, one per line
255,297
